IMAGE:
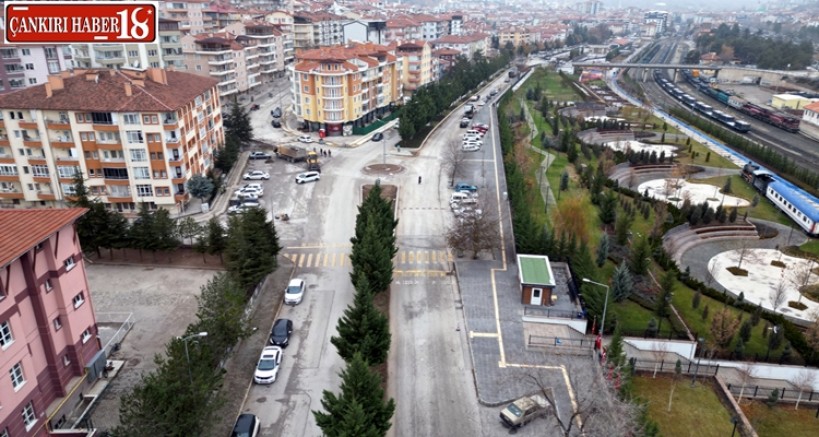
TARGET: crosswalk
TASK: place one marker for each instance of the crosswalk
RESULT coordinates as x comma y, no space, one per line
406,262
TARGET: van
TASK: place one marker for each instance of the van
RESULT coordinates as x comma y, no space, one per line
461,197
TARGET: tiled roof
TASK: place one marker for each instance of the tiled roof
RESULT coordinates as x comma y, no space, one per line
22,229
108,93
812,107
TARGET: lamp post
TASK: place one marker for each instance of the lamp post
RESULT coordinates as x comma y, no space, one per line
735,421
187,357
605,303
700,340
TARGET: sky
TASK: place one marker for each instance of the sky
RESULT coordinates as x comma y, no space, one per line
688,4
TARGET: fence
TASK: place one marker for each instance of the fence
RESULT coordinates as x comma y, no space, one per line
786,394
558,345
665,335
688,367
532,311
113,344
364,130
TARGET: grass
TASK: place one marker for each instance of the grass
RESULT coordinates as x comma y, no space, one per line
781,419
740,188
631,317
694,411
811,247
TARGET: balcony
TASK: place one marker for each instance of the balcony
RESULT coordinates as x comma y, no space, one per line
220,50
32,142
11,193
109,145
106,127
41,177
27,124
37,160
220,60
62,124
68,160
10,178
46,195
175,160
222,72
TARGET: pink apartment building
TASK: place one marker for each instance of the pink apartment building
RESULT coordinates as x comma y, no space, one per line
48,333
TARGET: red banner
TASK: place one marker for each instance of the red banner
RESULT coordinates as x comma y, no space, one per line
80,22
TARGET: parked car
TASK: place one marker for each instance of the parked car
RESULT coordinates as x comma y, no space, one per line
524,410
276,123
256,175
470,147
247,425
248,195
245,206
253,186
465,122
493,92
294,293
481,126
280,334
276,113
462,186
305,139
308,176
378,136
468,137
268,366
259,155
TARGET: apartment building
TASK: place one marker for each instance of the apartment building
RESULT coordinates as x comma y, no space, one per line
659,19
28,65
403,28
270,44
336,88
466,45
418,69
189,13
165,53
48,332
137,136
517,36
317,29
284,21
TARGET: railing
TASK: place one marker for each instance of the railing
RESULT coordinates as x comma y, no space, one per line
552,313
113,344
786,393
582,343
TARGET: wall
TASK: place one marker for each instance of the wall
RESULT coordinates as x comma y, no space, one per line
683,348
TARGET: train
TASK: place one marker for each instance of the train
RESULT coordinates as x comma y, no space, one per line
778,119
701,107
800,206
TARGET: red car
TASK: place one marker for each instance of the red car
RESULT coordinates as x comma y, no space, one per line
480,127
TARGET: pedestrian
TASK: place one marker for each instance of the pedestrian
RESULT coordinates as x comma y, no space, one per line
330,153
419,180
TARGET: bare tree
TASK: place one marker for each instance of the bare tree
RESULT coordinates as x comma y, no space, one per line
800,274
712,268
746,252
475,230
723,328
777,295
746,374
632,178
675,379
659,350
454,159
803,381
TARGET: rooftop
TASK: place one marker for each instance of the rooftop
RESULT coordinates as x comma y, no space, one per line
535,270
22,229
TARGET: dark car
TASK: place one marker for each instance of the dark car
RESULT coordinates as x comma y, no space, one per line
378,136
247,425
276,113
461,186
276,123
280,334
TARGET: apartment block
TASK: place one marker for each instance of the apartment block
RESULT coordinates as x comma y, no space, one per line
24,66
189,13
271,45
336,88
48,331
466,45
165,53
317,29
136,136
418,65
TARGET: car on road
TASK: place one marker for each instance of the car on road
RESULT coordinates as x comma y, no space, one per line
465,122
276,123
378,136
280,334
468,137
308,176
268,366
276,113
462,186
247,425
256,175
470,147
482,102
480,126
245,206
259,155
305,139
294,293
251,187
493,92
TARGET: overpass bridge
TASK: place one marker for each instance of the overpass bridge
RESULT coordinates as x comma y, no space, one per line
729,73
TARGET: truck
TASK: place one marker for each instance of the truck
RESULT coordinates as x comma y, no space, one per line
291,154
469,111
524,410
313,162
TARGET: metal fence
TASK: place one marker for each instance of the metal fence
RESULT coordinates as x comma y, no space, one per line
560,345
687,367
552,313
125,326
786,394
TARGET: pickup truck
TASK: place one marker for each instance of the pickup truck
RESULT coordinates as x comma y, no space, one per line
524,410
291,154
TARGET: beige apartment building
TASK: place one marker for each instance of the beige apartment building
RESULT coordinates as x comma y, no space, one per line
136,136
165,53
317,29
336,88
418,69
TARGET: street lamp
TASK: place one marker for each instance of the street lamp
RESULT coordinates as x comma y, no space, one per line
187,357
700,341
605,303
735,421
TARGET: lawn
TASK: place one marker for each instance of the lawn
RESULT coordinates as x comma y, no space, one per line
781,419
632,318
694,411
739,187
551,84
811,246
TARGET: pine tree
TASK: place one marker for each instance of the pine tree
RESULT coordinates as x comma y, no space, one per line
732,217
745,330
662,306
708,215
726,189
639,258
141,232
215,237
615,354
608,208
358,384
252,248
363,328
372,256
238,123
622,284
695,301
603,250
165,231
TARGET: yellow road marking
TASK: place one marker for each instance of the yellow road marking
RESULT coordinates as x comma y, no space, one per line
301,260
309,259
412,257
435,256
324,263
403,257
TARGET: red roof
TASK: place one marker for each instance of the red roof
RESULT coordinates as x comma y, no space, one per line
22,229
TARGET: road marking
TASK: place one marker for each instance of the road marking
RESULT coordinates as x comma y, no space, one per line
301,260
473,334
310,259
333,260
403,257
324,263
341,259
434,256
411,257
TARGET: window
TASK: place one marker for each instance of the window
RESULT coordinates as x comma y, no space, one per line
135,136
86,136
79,299
156,156
26,52
29,418
29,66
102,118
133,53
152,52
6,338
48,285
58,324
144,191
115,173
131,118
160,174
86,335
17,378
68,171
139,155
32,81
40,171
8,170
66,360
53,67
142,173
69,264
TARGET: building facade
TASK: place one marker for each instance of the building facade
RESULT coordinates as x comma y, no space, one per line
189,13
165,53
136,136
317,29
48,332
29,65
466,45
418,66
336,88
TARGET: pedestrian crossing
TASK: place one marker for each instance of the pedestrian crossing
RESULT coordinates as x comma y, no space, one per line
406,262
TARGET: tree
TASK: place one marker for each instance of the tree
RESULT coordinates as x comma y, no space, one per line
215,236
165,231
778,294
723,328
227,156
200,187
659,350
363,329
639,259
745,330
372,257
676,378
252,248
571,218
812,336
237,123
454,159
661,308
800,274
803,381
91,225
474,232
117,233
602,250
746,373
220,313
695,301
621,283
615,353
564,183
622,226
608,208
359,385
732,217
142,232
189,228
726,188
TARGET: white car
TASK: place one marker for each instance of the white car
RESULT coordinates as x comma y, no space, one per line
245,206
248,195
294,293
305,139
309,176
250,188
256,175
470,147
268,366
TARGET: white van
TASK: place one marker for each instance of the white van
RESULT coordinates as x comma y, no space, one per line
461,197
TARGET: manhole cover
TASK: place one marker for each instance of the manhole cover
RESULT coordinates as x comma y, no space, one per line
261,400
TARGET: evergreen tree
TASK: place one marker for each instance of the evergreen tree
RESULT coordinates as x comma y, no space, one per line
581,262
220,313
215,237
363,328
237,123
91,225
564,183
603,250
200,187
745,330
621,283
615,354
373,257
358,384
227,156
739,349
708,215
726,189
663,304
165,231
622,225
732,217
639,260
142,234
252,248
608,208
695,301
188,228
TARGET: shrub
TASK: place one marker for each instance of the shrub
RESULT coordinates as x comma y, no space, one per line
695,302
